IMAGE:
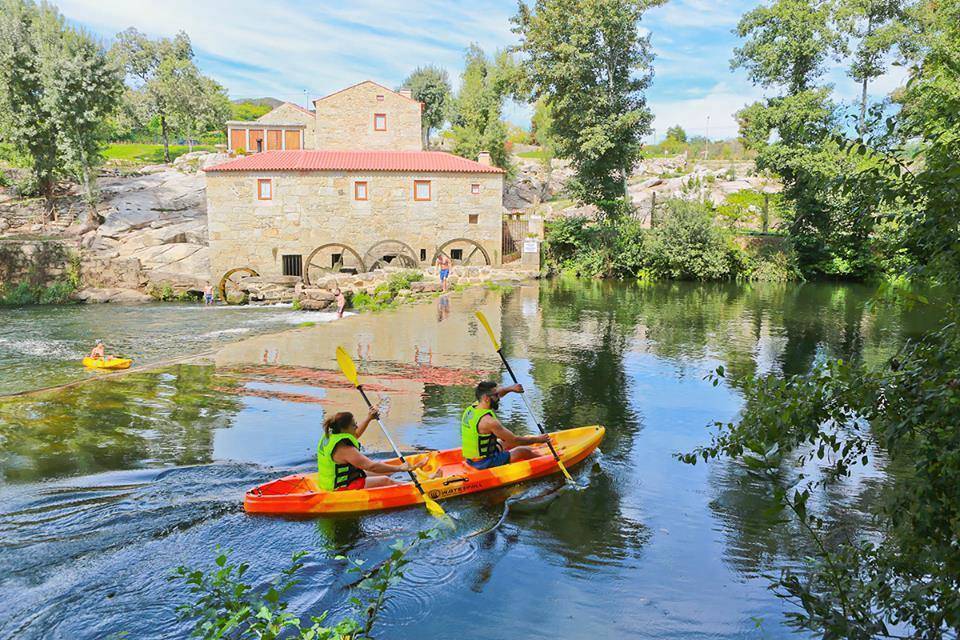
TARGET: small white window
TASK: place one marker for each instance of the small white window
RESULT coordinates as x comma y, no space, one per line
421,189
359,190
265,189
379,122
475,189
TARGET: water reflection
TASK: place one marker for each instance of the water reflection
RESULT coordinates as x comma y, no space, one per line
109,485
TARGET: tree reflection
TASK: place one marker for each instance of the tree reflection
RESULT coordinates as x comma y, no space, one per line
157,417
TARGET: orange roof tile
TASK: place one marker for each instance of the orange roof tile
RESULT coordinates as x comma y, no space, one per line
311,160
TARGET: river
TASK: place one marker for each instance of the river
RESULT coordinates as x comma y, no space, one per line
107,486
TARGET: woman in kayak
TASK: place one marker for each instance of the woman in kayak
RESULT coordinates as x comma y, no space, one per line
486,442
340,464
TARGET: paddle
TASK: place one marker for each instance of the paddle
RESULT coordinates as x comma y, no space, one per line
486,325
350,371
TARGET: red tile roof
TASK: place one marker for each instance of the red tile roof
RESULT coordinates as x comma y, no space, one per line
307,160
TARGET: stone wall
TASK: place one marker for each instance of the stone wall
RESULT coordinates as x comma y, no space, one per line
37,262
290,114
345,120
312,209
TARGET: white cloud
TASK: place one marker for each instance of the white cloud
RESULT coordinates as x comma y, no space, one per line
719,104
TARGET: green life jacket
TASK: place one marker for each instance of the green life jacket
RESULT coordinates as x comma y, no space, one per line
332,475
475,444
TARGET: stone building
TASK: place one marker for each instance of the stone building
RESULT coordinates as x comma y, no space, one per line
354,191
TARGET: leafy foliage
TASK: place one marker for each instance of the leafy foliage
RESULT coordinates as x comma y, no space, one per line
589,61
431,86
227,607
689,245
477,124
57,89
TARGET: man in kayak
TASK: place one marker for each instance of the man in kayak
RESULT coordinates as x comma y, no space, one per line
486,442
99,352
340,464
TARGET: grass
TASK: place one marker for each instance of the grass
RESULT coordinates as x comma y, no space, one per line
537,154
136,153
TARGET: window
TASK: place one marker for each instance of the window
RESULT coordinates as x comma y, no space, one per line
456,254
293,265
379,122
264,189
475,189
421,189
423,255
474,218
380,98
335,260
359,190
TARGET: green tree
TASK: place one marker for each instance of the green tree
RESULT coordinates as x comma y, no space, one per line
247,110
431,86
477,123
900,579
23,119
153,66
677,133
201,104
57,91
874,28
590,61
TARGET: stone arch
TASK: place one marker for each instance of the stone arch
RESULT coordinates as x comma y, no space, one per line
343,257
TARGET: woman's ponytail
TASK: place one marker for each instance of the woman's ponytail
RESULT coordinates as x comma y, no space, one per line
338,423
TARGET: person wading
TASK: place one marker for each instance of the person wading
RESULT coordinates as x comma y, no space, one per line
486,442
340,464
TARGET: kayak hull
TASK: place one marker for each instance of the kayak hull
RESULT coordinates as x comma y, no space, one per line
112,363
299,495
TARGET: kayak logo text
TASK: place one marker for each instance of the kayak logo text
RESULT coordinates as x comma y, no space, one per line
452,491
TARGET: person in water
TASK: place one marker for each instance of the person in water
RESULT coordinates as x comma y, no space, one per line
208,294
99,352
340,464
486,442
444,264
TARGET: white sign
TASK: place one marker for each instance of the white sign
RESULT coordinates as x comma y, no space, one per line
531,246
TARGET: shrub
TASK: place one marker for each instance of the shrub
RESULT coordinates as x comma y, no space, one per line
687,244
19,295
56,293
403,280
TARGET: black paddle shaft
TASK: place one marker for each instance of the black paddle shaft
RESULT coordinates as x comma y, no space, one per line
413,476
513,376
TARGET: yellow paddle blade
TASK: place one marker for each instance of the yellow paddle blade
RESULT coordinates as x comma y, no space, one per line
486,325
564,469
436,510
346,365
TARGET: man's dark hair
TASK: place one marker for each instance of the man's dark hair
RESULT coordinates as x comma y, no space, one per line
485,388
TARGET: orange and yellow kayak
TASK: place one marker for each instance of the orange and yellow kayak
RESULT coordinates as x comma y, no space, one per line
299,495
112,363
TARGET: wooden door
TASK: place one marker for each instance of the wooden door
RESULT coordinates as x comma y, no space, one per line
293,140
238,139
274,139
256,141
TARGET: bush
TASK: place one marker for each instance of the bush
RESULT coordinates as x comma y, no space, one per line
689,245
19,295
23,294
771,264
56,293
403,280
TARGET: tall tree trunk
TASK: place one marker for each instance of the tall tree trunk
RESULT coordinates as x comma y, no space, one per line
862,127
426,138
166,138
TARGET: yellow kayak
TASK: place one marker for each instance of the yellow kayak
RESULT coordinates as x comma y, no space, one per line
112,363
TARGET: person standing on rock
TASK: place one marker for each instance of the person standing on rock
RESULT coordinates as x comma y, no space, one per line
208,294
444,264
341,301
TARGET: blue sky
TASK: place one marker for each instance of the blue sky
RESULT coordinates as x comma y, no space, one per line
291,49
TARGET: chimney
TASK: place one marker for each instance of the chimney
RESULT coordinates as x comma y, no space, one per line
484,158
406,93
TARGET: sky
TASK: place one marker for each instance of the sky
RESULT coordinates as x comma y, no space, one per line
297,50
